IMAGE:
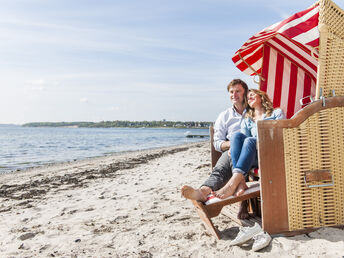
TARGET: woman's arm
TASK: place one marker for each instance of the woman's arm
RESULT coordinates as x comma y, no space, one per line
279,114
245,128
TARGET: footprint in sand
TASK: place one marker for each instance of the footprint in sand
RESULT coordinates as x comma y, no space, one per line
24,246
148,190
26,236
102,229
182,218
72,212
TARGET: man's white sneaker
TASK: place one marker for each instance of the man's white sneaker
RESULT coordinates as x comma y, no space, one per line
246,233
261,240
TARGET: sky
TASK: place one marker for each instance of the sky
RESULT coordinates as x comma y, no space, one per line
104,60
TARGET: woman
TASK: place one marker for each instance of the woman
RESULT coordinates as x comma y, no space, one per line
243,149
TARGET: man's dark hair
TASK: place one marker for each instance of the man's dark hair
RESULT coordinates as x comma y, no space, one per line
238,81
243,84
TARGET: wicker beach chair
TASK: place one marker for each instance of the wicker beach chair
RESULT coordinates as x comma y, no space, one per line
301,159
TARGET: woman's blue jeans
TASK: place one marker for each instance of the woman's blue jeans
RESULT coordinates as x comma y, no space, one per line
243,152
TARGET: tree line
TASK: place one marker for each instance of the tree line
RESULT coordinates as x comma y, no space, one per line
123,123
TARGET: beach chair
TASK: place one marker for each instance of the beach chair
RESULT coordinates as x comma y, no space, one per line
215,155
302,181
301,159
301,163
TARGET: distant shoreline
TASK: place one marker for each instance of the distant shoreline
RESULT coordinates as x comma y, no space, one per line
124,124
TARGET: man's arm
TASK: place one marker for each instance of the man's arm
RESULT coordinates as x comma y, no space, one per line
225,145
220,134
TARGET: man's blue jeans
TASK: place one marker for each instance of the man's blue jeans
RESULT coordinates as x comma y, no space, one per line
243,152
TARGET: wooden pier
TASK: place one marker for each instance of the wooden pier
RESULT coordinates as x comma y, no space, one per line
196,135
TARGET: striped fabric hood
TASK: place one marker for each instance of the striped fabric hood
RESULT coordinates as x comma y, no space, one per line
284,56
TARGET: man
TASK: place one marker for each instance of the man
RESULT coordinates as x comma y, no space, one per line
227,123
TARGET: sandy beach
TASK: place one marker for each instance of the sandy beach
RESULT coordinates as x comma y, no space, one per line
128,205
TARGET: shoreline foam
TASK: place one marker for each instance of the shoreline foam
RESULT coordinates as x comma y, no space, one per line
100,157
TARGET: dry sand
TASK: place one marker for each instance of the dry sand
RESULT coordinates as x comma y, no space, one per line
128,205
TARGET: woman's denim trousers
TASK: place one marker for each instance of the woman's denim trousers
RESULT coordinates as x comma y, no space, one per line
243,152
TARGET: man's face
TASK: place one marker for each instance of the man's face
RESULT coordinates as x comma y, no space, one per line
236,94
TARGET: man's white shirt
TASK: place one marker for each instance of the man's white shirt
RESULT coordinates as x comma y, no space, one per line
227,123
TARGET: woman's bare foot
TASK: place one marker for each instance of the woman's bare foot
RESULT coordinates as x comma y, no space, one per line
243,212
199,194
224,192
231,186
241,188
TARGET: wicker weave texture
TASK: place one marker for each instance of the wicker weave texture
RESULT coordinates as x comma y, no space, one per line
333,16
331,56
317,144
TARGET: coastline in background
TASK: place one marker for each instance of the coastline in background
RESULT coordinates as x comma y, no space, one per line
124,123
25,147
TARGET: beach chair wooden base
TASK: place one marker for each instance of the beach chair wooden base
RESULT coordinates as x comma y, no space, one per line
303,231
231,211
206,212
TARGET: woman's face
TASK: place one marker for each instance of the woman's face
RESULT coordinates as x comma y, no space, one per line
253,99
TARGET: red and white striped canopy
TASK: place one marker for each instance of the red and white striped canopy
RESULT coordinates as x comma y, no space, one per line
283,56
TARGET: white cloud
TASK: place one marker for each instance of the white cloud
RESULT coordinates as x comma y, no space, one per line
84,100
114,108
38,88
37,82
40,84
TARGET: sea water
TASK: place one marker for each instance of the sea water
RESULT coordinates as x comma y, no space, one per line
24,147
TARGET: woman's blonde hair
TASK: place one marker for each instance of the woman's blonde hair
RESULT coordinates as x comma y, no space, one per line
266,103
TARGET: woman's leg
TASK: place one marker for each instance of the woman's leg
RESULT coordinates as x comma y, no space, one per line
244,151
248,155
236,143
231,187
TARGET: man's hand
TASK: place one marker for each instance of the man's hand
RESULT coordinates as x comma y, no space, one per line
225,146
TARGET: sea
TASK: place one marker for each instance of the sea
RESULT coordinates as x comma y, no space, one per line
26,147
